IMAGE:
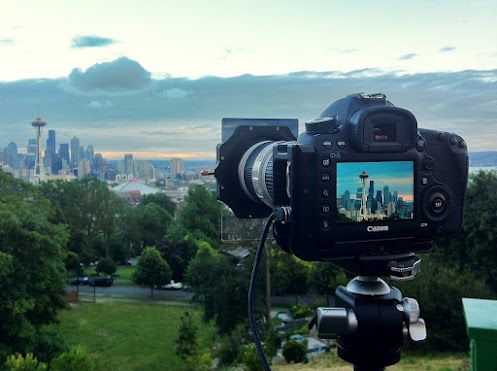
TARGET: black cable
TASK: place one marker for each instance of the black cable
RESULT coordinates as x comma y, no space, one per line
253,278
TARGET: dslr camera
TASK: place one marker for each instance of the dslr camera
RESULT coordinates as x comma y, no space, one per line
361,183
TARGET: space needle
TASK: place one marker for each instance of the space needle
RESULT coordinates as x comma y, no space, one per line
363,211
38,124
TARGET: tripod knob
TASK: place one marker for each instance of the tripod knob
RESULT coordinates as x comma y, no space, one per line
414,327
411,310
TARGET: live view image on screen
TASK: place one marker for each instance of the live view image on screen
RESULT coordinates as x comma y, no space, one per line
375,191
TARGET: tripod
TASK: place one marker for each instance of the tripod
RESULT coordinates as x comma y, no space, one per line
371,320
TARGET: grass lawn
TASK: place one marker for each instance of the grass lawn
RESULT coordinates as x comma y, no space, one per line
435,362
125,272
124,336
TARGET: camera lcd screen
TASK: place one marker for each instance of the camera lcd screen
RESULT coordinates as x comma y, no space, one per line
375,191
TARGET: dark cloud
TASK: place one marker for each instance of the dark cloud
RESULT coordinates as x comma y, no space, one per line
7,42
462,102
119,76
91,41
407,57
447,49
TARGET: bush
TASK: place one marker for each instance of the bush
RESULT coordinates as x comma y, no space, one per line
19,363
301,311
250,357
106,266
293,351
46,345
74,360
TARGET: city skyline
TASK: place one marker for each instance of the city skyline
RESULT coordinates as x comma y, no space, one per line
397,175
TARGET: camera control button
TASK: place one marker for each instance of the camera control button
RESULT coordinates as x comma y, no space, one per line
438,204
325,193
341,143
429,164
335,131
424,180
420,144
453,140
441,137
325,177
325,208
462,144
325,224
326,143
325,162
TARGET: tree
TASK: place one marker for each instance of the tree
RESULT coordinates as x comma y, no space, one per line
474,248
92,212
201,213
74,360
106,266
32,273
161,199
28,363
152,270
152,222
439,289
187,342
325,277
212,285
178,254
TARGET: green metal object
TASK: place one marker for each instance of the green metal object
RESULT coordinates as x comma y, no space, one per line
481,325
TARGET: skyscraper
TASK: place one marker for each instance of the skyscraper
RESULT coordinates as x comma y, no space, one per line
176,167
75,152
128,164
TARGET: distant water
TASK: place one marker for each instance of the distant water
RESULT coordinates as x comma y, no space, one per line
476,169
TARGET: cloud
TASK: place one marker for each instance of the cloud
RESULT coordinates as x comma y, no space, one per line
98,104
144,120
91,41
119,76
446,49
407,57
175,93
7,42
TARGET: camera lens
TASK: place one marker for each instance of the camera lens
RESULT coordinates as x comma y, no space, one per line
255,172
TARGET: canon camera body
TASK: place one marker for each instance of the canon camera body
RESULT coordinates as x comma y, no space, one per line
362,180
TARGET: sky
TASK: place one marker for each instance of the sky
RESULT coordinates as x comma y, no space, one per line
155,78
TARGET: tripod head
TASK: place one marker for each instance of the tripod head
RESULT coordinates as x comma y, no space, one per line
372,318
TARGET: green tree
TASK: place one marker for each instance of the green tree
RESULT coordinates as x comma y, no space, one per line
289,274
74,360
325,277
475,247
20,363
178,254
161,199
152,223
187,342
211,285
32,274
152,270
201,213
439,289
293,351
106,266
92,212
